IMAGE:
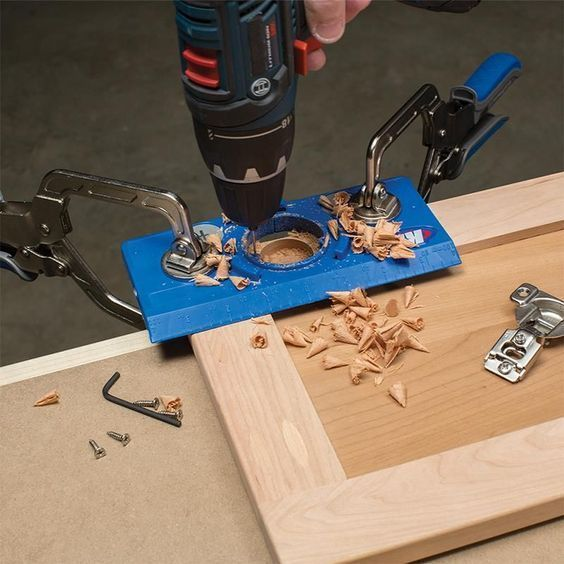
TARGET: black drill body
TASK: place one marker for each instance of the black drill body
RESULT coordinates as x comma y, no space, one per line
239,62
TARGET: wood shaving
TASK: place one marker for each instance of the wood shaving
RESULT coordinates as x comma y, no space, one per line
294,336
371,361
225,219
363,312
170,403
357,244
230,246
319,344
338,308
315,325
359,296
329,361
342,334
222,272
399,392
391,352
415,323
48,399
341,198
325,202
366,338
355,373
343,297
204,280
392,308
333,227
401,252
259,340
239,282
215,241
378,379
350,317
410,294
212,259
367,366
261,320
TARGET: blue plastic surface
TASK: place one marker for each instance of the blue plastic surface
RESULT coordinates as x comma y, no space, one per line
173,308
491,73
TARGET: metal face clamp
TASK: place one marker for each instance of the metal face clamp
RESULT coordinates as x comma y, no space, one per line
453,131
34,234
540,316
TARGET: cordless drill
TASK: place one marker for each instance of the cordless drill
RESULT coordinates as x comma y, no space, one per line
240,61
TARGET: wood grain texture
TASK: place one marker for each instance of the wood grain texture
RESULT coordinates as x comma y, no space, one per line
429,505
275,433
74,357
504,214
452,399
284,464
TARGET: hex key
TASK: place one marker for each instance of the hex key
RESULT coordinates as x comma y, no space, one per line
171,420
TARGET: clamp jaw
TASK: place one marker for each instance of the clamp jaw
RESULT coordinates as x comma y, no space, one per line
34,234
452,132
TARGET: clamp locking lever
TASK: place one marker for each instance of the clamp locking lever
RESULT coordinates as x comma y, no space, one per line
34,234
452,132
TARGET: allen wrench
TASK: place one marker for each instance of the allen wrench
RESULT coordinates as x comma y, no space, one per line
170,419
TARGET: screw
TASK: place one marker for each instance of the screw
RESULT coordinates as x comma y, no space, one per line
25,252
505,367
520,338
178,414
123,439
154,403
44,228
98,450
442,133
181,248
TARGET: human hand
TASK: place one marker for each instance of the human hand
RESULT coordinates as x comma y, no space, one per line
326,20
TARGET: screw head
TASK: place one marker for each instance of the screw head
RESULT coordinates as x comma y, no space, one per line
25,252
520,339
505,367
442,133
125,439
44,228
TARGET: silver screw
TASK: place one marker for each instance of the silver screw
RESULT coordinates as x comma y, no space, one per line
25,253
123,439
442,133
44,228
181,249
178,414
98,450
520,338
154,403
505,367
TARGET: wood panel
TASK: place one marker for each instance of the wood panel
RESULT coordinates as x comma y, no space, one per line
504,214
267,414
429,505
452,400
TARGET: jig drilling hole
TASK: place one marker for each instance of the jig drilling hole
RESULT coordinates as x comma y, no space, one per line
286,240
287,249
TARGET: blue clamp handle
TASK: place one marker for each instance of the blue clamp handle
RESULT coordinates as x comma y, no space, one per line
484,86
492,73
488,82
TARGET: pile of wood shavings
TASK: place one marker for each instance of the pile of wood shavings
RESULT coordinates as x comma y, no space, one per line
381,240
220,259
378,334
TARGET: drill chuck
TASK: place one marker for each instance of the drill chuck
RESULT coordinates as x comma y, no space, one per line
247,167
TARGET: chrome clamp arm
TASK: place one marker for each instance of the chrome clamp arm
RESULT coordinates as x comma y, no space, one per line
34,234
